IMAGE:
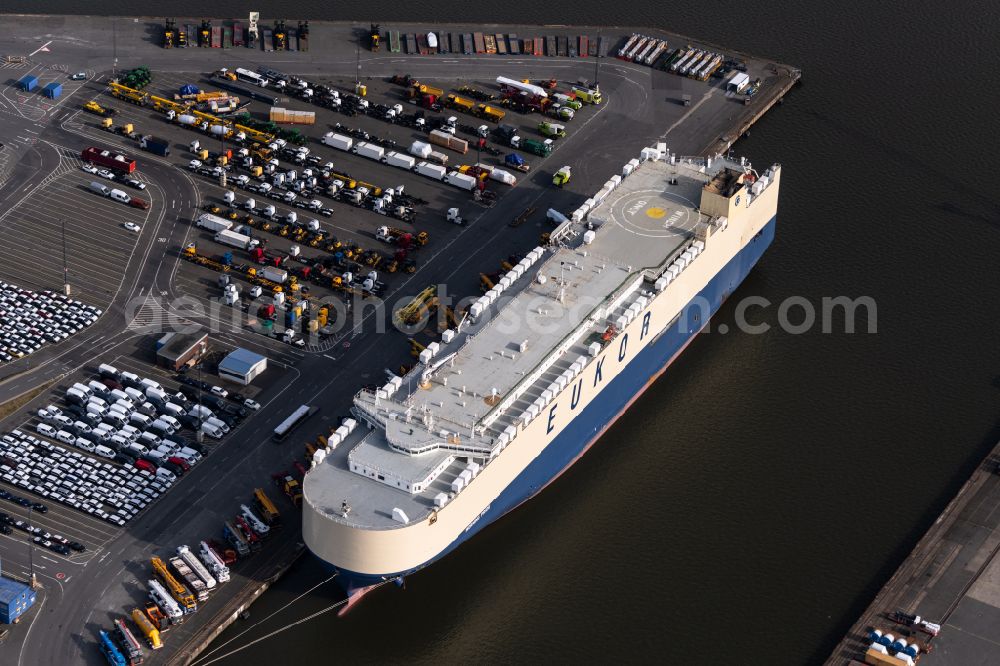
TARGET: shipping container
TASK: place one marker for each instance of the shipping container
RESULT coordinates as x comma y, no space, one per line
514,44
227,37
468,43
233,239
238,34
442,44
369,150
434,171
155,145
216,37
561,46
394,43
108,159
461,180
411,43
584,49
539,46
400,160
28,83
273,274
419,148
267,37
501,44
490,43
213,222
479,41
338,141
550,45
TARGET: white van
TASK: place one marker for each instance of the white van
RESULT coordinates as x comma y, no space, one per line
160,424
200,412
66,437
221,425
150,440
96,410
82,427
117,418
85,444
45,429
166,474
148,409
153,392
173,409
124,406
166,449
129,377
100,188
149,383
138,397
72,395
97,387
156,457
211,430
83,389
140,419
118,394
109,371
136,448
97,401
171,421
118,195
104,452
189,454
129,432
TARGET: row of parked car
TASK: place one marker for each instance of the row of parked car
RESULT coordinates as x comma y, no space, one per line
110,492
55,542
29,320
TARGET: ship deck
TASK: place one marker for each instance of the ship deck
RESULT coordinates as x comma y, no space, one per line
530,335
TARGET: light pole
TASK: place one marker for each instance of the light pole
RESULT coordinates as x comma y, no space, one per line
66,287
199,435
31,550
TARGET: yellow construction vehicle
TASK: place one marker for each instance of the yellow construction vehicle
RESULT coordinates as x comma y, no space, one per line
163,105
180,593
94,107
255,135
561,177
413,311
460,103
129,94
290,487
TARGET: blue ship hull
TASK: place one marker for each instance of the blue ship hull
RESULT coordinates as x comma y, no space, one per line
601,413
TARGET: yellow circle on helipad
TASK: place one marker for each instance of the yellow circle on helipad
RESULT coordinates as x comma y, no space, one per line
656,212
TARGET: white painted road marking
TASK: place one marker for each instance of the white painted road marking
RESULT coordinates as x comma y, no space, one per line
40,48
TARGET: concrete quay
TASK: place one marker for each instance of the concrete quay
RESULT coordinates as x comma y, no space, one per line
951,578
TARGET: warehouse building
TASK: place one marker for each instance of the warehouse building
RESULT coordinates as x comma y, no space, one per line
242,366
15,600
176,350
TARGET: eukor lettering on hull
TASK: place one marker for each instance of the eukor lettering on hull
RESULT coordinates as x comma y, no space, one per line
498,411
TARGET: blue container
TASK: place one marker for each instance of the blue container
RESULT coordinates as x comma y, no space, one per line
53,90
15,599
28,83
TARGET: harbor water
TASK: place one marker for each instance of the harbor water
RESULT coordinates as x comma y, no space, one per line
750,504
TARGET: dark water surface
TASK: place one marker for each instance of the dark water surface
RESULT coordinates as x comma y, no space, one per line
747,508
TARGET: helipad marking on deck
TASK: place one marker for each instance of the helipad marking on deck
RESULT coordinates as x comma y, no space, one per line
656,212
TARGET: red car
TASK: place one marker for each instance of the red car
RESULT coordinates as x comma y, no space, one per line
177,460
136,202
146,465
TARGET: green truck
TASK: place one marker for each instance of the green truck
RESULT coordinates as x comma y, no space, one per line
540,148
552,130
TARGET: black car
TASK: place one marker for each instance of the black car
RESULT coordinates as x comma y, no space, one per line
77,546
190,391
5,528
4,494
173,467
228,419
23,501
39,507
4,518
188,421
124,458
59,548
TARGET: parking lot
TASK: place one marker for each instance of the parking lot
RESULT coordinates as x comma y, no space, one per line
349,229
97,245
53,460
30,320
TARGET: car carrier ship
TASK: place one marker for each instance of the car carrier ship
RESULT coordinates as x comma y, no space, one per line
540,366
